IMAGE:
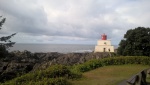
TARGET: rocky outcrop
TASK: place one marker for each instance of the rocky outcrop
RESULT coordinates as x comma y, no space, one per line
18,63
77,58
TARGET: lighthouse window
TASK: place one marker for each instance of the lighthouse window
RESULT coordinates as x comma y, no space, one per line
105,43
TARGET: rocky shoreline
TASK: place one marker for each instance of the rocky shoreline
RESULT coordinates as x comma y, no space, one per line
18,63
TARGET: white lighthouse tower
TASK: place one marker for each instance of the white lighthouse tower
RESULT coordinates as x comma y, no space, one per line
104,45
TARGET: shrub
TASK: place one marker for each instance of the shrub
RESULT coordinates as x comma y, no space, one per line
95,63
50,81
57,71
45,81
54,75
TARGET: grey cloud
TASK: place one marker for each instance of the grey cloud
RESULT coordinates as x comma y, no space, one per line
23,17
77,19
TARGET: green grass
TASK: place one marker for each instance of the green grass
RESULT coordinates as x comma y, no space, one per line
109,75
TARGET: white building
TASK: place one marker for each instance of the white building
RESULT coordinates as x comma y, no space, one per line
104,45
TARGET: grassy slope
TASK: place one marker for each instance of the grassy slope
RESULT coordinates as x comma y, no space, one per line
109,75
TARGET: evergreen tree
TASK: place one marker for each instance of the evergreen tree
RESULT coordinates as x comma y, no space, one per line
136,42
5,41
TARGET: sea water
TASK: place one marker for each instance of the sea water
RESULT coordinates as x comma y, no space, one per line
62,48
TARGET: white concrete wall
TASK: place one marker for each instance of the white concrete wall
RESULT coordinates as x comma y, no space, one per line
103,42
101,48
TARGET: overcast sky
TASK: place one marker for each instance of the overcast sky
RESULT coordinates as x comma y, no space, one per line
72,21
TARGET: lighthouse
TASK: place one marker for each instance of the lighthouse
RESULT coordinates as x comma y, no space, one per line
104,45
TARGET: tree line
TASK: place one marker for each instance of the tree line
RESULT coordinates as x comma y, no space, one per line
136,42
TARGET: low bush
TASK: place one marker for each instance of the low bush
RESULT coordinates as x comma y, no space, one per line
95,63
54,75
45,81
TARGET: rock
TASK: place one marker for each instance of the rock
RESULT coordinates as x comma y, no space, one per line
18,63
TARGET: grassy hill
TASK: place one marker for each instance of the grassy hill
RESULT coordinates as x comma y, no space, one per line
109,75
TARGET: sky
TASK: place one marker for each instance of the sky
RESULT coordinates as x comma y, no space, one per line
72,21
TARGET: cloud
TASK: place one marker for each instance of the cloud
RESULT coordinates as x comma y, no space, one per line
52,21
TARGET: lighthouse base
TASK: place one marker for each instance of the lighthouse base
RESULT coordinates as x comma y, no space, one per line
104,49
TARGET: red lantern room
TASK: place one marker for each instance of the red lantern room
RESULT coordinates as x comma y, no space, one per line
104,37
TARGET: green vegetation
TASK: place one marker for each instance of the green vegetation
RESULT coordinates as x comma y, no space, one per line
109,75
136,42
96,63
63,75
54,75
5,41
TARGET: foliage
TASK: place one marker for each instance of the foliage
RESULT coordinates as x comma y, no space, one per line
45,81
5,41
54,75
136,42
95,63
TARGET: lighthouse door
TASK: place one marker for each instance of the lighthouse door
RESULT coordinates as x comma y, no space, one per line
104,50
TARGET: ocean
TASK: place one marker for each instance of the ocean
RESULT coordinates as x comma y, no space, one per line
61,48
